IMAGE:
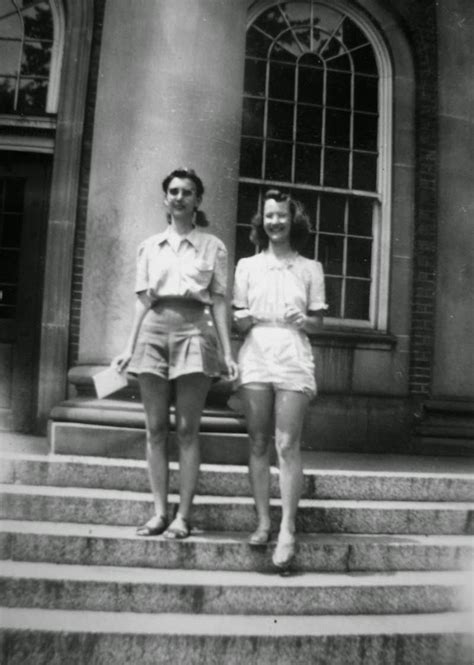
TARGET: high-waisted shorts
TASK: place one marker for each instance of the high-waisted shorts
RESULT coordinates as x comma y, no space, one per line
279,355
177,337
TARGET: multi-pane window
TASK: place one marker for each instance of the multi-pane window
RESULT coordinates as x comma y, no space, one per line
28,56
311,125
11,221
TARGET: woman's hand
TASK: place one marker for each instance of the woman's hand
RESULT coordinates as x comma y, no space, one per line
295,317
120,362
232,369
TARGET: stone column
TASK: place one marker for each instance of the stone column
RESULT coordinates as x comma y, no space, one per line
453,372
169,94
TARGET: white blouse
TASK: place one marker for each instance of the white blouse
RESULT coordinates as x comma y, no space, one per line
192,266
267,286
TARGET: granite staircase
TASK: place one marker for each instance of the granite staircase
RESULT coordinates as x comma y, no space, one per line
382,574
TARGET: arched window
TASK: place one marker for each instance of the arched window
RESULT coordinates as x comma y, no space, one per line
31,41
316,117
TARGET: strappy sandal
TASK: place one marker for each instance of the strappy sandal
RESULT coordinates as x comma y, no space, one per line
154,527
284,553
179,529
259,537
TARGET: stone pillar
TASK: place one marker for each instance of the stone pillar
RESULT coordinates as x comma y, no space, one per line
169,94
453,372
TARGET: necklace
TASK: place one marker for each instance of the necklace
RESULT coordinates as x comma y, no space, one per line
280,262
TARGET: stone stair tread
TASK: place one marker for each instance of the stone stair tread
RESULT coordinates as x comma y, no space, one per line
127,495
419,470
78,621
105,544
179,576
128,532
396,483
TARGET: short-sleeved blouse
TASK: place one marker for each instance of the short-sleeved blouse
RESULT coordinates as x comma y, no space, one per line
195,269
267,286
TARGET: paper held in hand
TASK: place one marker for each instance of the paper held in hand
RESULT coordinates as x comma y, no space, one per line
108,381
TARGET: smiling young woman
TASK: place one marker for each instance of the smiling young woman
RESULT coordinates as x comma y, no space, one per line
278,298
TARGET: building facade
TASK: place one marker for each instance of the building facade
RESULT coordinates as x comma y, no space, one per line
363,109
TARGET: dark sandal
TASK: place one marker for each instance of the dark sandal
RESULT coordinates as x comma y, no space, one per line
179,529
259,537
154,527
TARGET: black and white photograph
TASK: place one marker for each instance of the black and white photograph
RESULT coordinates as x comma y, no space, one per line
236,332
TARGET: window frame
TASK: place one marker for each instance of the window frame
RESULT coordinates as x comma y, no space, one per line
48,120
381,246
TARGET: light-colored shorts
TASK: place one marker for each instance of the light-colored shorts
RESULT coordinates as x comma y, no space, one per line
177,337
280,356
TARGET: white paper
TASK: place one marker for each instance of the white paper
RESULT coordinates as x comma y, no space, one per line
108,381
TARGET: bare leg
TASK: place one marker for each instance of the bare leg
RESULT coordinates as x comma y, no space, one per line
258,406
290,408
191,393
155,393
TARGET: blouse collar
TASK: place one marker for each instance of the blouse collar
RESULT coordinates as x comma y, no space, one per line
192,237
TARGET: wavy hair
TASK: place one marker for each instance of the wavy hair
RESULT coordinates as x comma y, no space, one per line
200,218
300,226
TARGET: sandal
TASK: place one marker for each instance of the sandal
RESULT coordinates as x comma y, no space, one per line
178,529
284,553
154,527
259,537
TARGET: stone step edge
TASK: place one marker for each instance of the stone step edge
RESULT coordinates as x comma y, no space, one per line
126,463
25,570
113,532
208,499
129,623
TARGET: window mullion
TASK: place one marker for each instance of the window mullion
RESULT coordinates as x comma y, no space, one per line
295,121
323,128
345,251
318,219
351,124
265,118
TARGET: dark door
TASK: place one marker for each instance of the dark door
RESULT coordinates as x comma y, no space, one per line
24,194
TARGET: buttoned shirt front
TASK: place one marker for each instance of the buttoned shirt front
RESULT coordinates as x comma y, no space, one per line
192,266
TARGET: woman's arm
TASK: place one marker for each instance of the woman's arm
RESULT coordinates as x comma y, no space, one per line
313,321
142,306
219,312
242,320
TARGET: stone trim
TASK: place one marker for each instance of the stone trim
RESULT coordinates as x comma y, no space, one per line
63,204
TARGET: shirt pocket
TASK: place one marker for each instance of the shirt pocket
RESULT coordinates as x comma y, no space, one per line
203,266
198,275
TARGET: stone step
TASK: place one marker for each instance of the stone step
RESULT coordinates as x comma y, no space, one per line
121,589
102,545
215,513
228,480
56,637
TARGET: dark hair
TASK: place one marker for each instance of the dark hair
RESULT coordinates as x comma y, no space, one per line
300,226
200,218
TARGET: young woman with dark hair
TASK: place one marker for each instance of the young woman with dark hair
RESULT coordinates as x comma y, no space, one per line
279,297
180,318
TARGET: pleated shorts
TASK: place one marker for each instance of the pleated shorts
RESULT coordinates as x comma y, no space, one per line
176,337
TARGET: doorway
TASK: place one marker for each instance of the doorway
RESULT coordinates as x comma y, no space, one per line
25,180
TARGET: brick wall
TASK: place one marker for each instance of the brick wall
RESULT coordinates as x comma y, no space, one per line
421,22
81,218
